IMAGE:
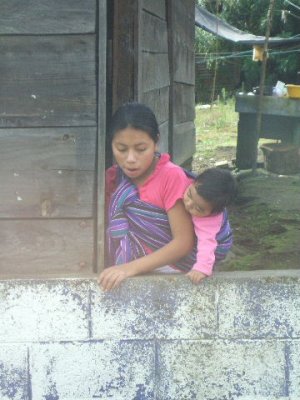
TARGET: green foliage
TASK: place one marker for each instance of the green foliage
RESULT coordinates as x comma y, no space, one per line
251,16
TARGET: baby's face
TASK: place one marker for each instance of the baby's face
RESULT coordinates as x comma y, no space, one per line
196,205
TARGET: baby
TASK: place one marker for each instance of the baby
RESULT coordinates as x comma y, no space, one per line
206,200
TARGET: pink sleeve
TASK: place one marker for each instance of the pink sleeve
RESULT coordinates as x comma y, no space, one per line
206,229
174,187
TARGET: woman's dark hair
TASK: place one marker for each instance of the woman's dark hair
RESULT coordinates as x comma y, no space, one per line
217,186
137,116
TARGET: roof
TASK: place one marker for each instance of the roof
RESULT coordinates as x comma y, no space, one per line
212,24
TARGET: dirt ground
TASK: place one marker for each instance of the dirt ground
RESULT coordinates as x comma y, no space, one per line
265,218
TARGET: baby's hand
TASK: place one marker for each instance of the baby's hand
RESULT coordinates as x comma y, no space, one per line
196,276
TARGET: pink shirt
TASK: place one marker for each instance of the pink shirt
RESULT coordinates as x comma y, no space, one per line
166,185
206,229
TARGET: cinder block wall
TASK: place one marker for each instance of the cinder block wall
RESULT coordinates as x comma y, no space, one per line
236,336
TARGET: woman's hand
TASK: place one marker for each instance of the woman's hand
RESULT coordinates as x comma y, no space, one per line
196,276
112,277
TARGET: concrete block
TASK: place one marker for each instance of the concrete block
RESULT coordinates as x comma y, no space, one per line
261,308
155,307
32,310
215,370
293,361
118,370
14,376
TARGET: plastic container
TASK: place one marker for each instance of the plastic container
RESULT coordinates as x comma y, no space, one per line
293,91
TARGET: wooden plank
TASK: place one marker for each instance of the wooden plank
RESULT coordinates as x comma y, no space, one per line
47,81
164,137
184,65
124,52
271,105
154,34
184,103
183,142
46,246
99,231
155,71
183,41
47,172
158,101
181,31
170,26
156,7
184,22
47,17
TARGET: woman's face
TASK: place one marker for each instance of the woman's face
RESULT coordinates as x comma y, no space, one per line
134,152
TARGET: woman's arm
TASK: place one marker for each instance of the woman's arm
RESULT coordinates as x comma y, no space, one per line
181,244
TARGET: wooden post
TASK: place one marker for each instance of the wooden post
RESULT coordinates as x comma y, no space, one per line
262,81
99,225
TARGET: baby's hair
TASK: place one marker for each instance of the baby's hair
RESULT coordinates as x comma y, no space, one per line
217,186
137,116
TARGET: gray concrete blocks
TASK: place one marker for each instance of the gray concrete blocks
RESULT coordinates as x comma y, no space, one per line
235,336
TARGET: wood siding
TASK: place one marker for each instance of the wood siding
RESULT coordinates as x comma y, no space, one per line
53,110
154,64
49,133
154,73
182,27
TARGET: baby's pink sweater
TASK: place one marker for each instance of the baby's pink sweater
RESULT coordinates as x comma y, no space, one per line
206,229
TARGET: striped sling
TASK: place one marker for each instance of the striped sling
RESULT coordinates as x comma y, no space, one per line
136,228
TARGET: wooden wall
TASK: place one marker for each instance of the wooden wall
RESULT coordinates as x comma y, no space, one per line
52,116
166,75
182,60
49,123
154,70
153,58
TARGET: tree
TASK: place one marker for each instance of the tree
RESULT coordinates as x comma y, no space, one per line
251,16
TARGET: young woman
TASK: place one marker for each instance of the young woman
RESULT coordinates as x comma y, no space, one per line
148,226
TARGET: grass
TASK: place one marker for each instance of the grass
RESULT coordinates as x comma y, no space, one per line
216,132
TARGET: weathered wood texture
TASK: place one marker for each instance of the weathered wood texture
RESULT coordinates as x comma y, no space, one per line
47,17
47,172
42,246
51,128
124,52
183,138
271,105
156,7
164,137
158,101
154,33
182,91
103,107
154,73
47,81
153,52
184,103
183,41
